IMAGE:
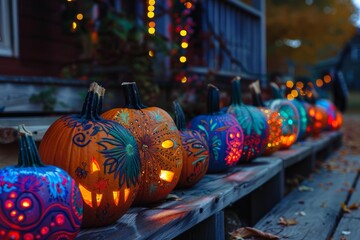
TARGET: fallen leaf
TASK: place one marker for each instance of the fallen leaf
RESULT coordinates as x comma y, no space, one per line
246,232
354,206
172,197
345,208
304,188
345,232
287,222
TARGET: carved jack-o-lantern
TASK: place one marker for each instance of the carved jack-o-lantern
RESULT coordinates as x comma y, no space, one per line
159,144
195,152
222,132
273,119
101,155
253,123
37,201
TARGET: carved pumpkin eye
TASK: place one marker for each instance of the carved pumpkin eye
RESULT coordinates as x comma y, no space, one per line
166,175
86,194
167,144
98,198
94,165
116,195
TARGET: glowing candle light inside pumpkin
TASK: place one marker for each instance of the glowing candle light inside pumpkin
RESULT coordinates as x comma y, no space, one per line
94,165
98,198
126,194
166,175
167,144
116,195
86,194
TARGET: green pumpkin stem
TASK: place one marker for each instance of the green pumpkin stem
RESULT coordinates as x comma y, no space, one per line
236,91
179,116
277,93
213,101
132,96
93,102
28,153
256,94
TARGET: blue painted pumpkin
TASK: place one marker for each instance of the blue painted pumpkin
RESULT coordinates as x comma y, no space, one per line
332,113
37,201
253,123
222,132
195,152
101,155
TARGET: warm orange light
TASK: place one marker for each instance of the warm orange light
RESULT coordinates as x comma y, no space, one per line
151,53
126,194
182,59
13,195
287,141
232,135
151,2
151,14
294,93
151,30
312,112
21,218
94,165
13,213
151,8
166,175
290,97
9,204
184,79
25,203
299,85
327,78
98,198
167,144
188,5
184,44
116,195
152,24
74,25
79,16
319,82
86,194
183,33
289,84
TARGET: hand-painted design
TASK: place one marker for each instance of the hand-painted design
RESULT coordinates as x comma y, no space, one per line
234,141
28,211
122,158
81,172
156,116
123,116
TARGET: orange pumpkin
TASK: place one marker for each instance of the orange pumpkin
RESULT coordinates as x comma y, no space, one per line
159,144
101,155
195,152
273,119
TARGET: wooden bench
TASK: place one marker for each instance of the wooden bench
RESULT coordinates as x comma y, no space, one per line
316,205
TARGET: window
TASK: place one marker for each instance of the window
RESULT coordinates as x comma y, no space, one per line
8,28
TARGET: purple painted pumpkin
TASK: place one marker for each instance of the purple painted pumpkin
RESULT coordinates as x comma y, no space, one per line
222,132
195,152
37,201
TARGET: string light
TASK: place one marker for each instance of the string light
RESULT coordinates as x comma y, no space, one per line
319,82
289,84
151,53
182,59
327,78
184,44
79,16
183,33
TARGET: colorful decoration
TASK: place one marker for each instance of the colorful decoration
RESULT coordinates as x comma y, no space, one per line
195,152
37,201
253,123
319,119
334,118
159,144
101,155
222,132
273,118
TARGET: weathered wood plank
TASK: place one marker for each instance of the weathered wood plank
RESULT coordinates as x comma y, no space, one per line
317,206
168,219
293,155
348,229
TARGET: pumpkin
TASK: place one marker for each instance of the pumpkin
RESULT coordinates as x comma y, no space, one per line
222,132
159,144
300,108
319,119
101,155
195,152
273,119
333,115
253,123
37,201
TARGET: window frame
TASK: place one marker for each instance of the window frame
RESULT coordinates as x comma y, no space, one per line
9,44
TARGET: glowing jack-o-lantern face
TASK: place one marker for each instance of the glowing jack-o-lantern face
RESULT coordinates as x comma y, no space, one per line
38,201
101,155
158,142
222,132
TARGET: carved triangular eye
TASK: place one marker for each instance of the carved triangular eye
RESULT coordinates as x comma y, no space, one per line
126,194
86,194
98,198
166,175
94,165
116,195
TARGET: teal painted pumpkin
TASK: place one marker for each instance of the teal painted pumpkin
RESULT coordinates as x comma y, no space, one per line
253,123
222,132
37,201
195,152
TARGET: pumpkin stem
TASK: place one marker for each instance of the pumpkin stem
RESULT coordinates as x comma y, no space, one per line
132,96
28,153
236,91
93,102
277,92
179,116
213,101
256,94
